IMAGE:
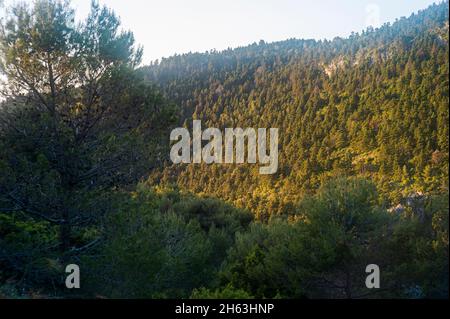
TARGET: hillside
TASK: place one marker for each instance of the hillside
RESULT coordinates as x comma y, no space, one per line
374,105
91,206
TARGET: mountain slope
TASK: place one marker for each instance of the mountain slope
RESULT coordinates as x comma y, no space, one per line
374,104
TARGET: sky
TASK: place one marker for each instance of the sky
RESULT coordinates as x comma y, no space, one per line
166,27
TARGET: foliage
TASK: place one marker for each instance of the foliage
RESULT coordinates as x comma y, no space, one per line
324,250
373,105
224,293
362,179
78,120
155,247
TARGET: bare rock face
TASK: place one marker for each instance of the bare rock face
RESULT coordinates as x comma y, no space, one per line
399,209
415,202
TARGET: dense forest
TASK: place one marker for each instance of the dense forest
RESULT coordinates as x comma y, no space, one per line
374,105
85,175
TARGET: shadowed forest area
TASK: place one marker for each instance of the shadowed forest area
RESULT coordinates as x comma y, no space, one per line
85,175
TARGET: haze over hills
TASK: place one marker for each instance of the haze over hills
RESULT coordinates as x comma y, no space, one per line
372,105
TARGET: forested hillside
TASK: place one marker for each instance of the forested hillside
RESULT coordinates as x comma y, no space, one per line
372,105
86,180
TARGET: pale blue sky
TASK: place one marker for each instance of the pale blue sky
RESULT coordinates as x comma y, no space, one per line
165,27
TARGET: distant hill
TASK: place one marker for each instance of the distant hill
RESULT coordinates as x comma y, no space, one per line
374,104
